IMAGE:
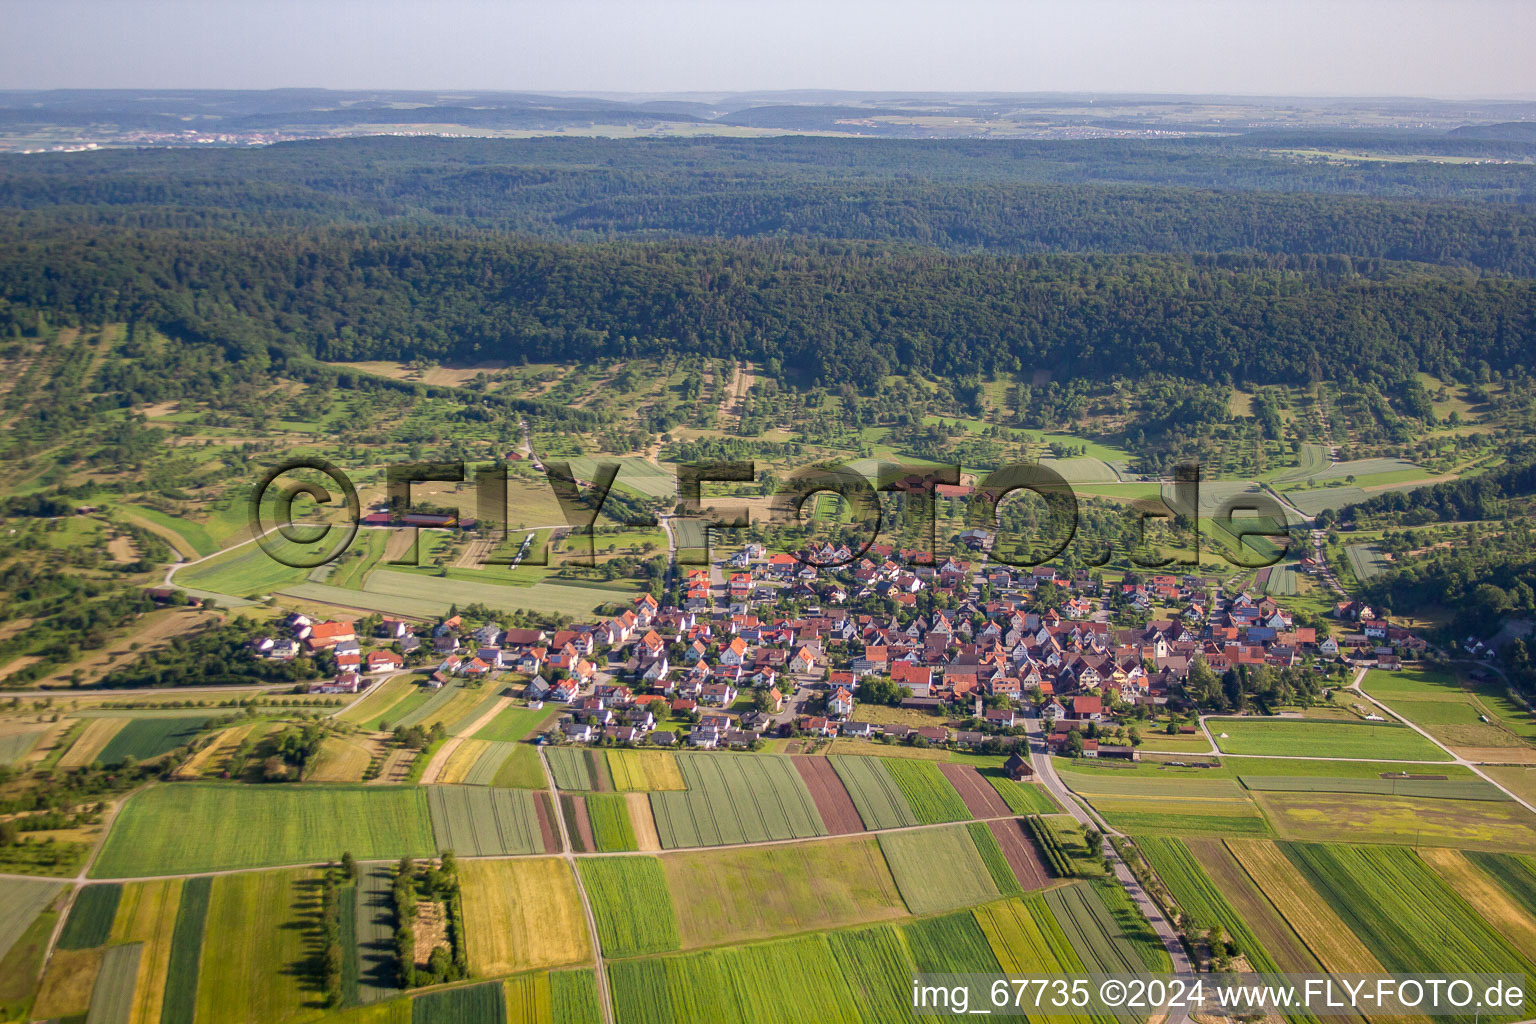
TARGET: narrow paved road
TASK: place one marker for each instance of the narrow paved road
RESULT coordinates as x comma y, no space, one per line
1040,757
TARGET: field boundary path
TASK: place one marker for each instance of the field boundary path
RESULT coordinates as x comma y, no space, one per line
605,1000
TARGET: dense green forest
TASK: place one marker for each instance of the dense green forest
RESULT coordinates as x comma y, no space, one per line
1098,196
827,260
835,312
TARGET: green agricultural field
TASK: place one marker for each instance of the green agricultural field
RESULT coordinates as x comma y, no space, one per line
476,1004
112,995
573,998
180,1003
1021,797
1179,805
964,881
1201,899
840,977
1346,817
874,792
1431,789
1458,712
1094,933
146,738
631,904
410,592
435,701
199,826
932,799
90,917
952,944
644,771
735,798
376,705
1365,561
1403,911
571,767
20,903
521,769
378,971
257,934
611,829
246,571
195,538
1273,737
477,822
747,893
1517,876
992,855
514,723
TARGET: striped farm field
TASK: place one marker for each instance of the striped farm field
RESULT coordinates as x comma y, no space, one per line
839,977
146,914
1365,561
874,791
991,852
475,1004
258,926
747,893
1160,806
644,771
1093,933
1430,789
571,767
932,799
213,759
913,856
1498,825
89,744
197,826
1516,874
1494,904
180,1001
112,995
438,702
1309,914
1402,910
735,798
514,723
16,743
631,905
1199,897
377,704
1022,797
475,821
573,998
462,761
1277,939
553,997
522,914
91,916
609,816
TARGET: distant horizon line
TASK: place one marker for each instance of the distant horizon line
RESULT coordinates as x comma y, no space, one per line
704,95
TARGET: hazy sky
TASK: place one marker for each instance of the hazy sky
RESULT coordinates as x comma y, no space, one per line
1453,48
